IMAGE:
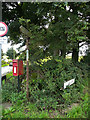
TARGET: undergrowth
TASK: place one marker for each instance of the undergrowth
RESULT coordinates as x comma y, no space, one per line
46,90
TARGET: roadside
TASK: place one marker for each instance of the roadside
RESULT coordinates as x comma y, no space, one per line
75,110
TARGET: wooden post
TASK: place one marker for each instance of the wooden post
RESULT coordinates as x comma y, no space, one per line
27,33
27,74
18,85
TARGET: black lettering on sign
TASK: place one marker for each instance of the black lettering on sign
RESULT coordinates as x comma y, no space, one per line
2,28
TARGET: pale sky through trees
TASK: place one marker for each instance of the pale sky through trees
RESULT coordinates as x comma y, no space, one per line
7,46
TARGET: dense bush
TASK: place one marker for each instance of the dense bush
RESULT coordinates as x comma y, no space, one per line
46,84
48,78
7,90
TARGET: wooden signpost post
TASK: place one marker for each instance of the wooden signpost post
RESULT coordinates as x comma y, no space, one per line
27,33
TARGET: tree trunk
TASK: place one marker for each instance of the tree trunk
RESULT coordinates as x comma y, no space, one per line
75,53
63,52
56,52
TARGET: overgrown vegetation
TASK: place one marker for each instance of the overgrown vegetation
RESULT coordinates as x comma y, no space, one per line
82,110
46,90
45,86
55,29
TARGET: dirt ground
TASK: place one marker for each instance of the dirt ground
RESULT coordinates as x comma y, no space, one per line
6,105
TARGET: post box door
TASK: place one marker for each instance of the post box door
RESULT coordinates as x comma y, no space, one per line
15,67
15,70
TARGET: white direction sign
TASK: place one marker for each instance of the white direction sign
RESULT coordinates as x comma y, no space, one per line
3,29
3,40
68,83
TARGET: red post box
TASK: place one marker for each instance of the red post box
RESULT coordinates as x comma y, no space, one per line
17,67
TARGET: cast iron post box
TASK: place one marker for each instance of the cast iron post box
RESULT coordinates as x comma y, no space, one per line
17,67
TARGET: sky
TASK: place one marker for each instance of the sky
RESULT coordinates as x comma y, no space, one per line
7,46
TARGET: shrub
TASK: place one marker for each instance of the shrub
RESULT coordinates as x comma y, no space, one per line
46,84
7,90
48,78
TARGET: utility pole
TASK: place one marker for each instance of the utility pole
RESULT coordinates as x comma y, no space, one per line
27,33
0,10
0,65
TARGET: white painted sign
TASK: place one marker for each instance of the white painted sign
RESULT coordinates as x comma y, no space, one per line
27,56
3,29
68,83
3,40
14,69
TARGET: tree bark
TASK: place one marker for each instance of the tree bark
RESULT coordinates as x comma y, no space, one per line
63,50
56,52
75,53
